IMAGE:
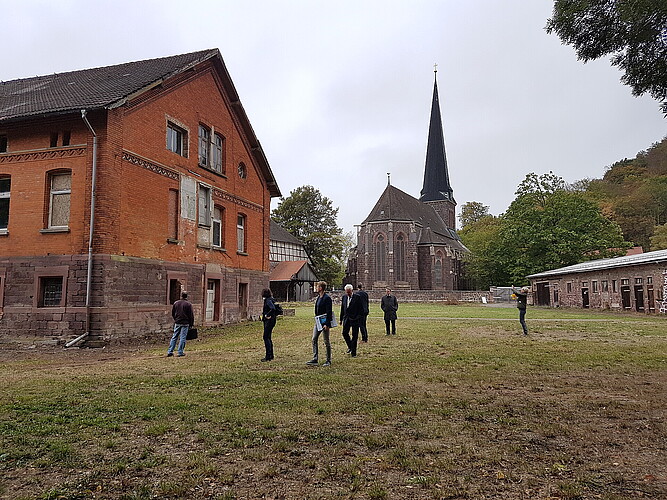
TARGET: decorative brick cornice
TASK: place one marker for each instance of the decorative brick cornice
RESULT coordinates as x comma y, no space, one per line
150,165
222,195
42,154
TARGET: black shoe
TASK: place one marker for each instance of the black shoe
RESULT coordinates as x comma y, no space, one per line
354,354
327,363
265,359
179,355
312,362
349,351
170,354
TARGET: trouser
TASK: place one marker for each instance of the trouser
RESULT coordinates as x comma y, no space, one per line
351,342
268,343
522,320
393,326
180,332
362,328
327,343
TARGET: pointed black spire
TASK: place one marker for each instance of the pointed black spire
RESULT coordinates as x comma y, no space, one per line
436,176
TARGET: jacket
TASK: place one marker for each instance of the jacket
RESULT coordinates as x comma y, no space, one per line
324,305
351,309
389,305
182,313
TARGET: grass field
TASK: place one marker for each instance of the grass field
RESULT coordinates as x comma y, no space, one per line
458,405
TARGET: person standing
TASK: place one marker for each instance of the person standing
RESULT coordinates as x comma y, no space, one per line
269,320
389,305
351,311
184,318
323,306
521,304
364,305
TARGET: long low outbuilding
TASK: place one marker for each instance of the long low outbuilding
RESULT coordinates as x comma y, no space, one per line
632,283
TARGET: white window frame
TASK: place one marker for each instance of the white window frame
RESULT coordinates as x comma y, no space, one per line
216,227
59,192
6,195
176,139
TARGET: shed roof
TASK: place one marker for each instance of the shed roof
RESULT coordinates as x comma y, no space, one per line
292,270
657,256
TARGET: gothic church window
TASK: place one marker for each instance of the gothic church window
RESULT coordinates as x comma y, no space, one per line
380,258
437,270
399,258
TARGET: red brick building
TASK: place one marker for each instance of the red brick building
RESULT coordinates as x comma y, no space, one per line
635,282
121,186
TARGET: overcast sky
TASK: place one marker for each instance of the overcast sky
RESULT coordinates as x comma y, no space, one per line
339,93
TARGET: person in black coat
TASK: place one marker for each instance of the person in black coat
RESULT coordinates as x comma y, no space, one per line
362,321
521,304
389,305
323,306
269,320
351,311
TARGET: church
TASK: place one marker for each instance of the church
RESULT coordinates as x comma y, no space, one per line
407,243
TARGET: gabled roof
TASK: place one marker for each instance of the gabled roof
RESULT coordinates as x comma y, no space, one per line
396,205
279,233
111,86
658,256
90,88
293,270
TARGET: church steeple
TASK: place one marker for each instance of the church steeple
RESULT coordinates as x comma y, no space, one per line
436,176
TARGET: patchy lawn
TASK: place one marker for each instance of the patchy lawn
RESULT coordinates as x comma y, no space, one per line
456,406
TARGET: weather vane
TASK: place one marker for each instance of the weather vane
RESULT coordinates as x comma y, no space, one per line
388,178
435,68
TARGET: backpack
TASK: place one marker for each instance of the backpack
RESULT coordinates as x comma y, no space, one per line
279,309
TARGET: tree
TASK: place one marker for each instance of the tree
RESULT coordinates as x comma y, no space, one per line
632,32
472,212
481,238
311,217
547,227
659,238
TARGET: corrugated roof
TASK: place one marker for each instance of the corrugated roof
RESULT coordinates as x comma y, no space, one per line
594,265
89,88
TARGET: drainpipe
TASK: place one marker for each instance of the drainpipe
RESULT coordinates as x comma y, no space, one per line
90,234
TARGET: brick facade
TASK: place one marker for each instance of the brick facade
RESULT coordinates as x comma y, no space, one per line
150,220
638,288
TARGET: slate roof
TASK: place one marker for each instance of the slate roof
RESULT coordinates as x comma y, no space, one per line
658,256
90,88
436,174
279,233
110,86
396,205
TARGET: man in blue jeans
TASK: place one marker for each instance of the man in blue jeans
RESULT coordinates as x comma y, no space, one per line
184,318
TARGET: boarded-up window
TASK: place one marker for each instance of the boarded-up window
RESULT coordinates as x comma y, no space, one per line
172,223
204,206
61,188
240,233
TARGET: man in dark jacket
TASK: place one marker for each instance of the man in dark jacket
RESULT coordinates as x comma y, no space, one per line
521,304
351,311
184,318
362,321
389,305
323,307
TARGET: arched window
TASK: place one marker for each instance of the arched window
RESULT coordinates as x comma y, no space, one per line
437,270
380,258
399,258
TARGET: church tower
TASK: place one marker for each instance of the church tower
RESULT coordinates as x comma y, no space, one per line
437,191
